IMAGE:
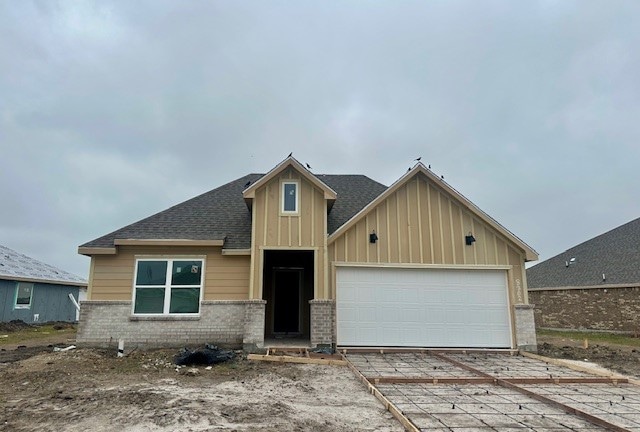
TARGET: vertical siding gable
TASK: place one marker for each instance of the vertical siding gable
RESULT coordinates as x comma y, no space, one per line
421,223
305,230
274,229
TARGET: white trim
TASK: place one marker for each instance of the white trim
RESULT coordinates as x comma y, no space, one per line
283,185
423,266
169,256
15,297
167,285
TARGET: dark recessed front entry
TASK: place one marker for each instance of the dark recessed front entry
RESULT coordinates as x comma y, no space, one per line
287,300
287,288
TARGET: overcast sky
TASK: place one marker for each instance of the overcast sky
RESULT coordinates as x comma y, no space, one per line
112,111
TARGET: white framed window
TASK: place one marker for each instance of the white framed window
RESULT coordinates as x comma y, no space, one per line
24,295
290,197
167,286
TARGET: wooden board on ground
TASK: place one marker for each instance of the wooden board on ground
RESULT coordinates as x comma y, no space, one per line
292,359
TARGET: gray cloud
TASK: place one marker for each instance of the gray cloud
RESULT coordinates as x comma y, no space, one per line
111,111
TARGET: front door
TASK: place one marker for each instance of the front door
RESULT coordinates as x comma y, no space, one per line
287,300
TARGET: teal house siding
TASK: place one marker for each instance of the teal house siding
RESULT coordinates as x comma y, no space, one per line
49,302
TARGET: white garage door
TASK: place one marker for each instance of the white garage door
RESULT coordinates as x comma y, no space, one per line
422,308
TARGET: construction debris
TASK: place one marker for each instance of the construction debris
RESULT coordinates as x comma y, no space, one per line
207,356
293,359
189,372
322,350
69,348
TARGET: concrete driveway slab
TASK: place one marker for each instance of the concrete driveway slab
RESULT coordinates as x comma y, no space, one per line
405,365
619,404
446,391
462,407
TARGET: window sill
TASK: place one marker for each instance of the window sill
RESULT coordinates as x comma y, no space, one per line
164,317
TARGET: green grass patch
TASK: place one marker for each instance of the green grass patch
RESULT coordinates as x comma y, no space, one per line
35,332
611,338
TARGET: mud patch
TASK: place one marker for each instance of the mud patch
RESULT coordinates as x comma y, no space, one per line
90,389
624,360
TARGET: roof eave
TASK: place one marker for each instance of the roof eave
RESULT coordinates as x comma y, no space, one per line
43,280
167,242
88,251
579,287
250,192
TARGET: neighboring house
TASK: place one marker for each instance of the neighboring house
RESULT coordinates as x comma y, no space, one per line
33,291
594,285
327,259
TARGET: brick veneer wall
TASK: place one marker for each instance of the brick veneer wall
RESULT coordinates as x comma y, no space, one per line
323,322
525,327
226,323
606,309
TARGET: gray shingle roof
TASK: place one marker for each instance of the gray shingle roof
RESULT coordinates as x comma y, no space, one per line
222,213
14,265
354,193
615,253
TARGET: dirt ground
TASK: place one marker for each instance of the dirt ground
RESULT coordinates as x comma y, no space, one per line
88,389
619,358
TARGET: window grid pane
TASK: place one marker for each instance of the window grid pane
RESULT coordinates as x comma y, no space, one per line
186,273
23,296
185,300
151,273
149,300
289,198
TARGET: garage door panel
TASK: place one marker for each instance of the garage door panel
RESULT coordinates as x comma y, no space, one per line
422,307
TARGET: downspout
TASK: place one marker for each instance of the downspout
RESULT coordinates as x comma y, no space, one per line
74,301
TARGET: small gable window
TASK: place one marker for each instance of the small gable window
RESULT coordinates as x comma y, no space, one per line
24,294
289,197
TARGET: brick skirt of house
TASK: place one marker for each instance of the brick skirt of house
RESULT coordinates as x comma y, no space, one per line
228,323
614,309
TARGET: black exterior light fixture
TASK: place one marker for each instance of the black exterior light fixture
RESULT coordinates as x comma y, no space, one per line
469,239
373,237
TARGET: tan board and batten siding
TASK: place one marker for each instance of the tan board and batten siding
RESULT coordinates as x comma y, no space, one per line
273,230
422,224
226,277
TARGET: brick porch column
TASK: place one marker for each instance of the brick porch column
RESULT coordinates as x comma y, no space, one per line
525,328
323,322
253,338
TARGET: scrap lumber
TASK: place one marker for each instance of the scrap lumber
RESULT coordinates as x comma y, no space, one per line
580,368
293,359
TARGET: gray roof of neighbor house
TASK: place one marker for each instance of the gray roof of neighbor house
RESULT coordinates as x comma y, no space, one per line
16,266
222,214
616,254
